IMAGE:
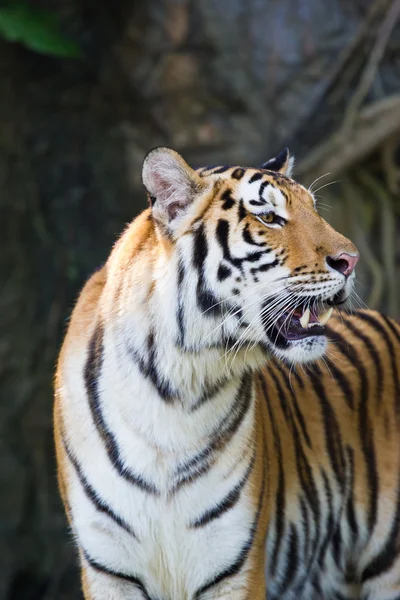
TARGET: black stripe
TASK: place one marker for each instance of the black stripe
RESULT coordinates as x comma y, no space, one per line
222,233
238,173
316,585
253,257
292,562
305,525
224,431
342,382
149,369
352,357
255,177
307,481
207,302
392,352
200,250
390,552
241,211
334,442
261,191
330,524
283,400
209,392
228,201
223,272
163,387
180,313
298,377
248,238
337,544
260,202
237,565
350,512
298,413
393,326
265,267
280,502
91,376
227,503
128,578
100,504
219,438
376,359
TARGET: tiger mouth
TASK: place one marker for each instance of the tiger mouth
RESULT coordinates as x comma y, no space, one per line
301,323
308,319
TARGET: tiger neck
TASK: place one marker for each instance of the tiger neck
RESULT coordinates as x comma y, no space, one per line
183,354
190,376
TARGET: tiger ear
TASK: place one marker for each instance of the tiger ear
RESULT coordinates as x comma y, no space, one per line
282,163
170,183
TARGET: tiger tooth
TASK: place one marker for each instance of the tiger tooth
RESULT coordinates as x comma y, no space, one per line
324,317
305,318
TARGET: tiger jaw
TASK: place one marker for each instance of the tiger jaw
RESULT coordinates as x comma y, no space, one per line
299,324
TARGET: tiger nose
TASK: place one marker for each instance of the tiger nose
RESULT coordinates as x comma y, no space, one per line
344,263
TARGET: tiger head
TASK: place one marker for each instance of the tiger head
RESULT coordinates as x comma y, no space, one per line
255,264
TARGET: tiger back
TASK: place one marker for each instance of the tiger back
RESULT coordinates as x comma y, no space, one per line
219,434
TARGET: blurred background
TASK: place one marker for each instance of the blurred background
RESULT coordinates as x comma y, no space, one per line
87,87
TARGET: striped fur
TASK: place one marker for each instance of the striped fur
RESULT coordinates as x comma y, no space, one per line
204,453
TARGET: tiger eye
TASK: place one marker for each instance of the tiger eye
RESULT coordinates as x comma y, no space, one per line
269,218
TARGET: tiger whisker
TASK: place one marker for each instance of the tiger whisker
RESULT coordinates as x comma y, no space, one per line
310,188
242,339
326,185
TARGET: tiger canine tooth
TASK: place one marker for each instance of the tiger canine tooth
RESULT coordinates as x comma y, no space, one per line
324,317
305,318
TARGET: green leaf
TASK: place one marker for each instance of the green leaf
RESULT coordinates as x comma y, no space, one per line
37,30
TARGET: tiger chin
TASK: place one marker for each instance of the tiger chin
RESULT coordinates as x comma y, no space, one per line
195,461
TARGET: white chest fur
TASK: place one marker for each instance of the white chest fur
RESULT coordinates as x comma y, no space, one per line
143,483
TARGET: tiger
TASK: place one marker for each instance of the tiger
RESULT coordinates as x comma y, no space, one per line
223,430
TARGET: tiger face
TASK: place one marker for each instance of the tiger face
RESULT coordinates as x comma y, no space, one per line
267,269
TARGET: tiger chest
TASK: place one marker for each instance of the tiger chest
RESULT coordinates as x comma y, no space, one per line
173,543
155,494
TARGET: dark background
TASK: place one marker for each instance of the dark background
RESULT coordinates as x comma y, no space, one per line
221,81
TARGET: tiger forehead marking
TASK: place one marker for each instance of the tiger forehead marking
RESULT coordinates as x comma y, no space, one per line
259,190
260,194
